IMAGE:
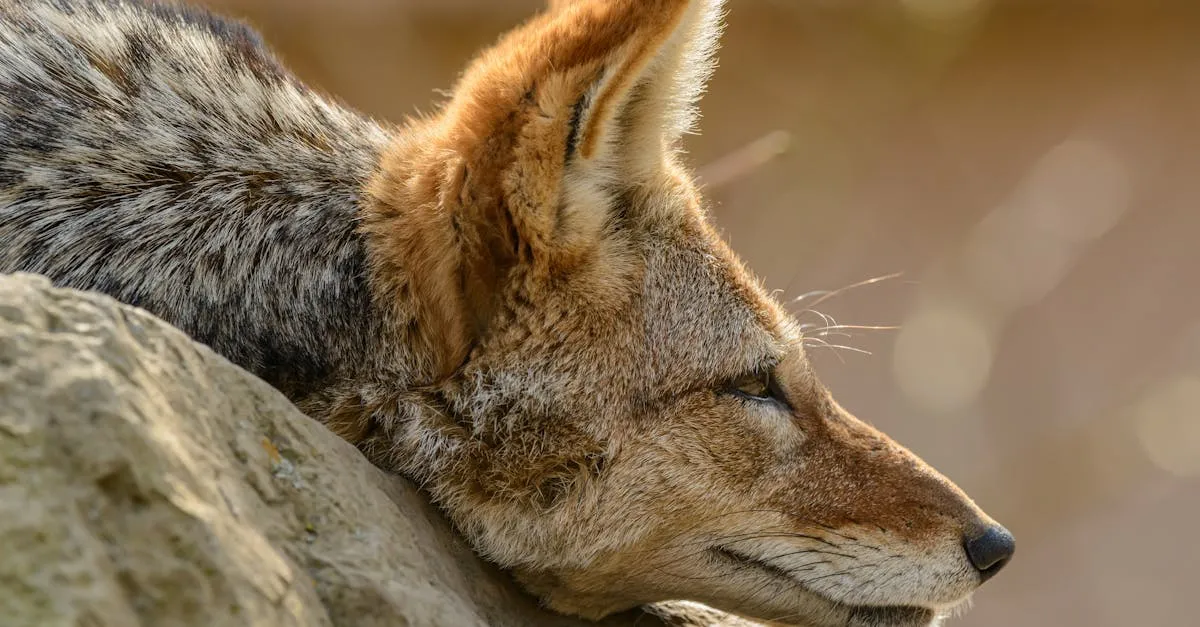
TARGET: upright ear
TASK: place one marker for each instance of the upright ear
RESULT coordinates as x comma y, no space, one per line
655,58
523,165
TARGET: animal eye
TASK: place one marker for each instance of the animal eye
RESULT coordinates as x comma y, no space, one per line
757,386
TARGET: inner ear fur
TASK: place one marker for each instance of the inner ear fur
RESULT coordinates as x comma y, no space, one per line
519,168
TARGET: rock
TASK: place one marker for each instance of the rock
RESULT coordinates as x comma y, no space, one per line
145,480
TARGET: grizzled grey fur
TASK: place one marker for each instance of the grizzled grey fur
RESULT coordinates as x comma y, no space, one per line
163,156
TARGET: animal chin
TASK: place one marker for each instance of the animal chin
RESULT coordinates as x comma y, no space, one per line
893,616
856,615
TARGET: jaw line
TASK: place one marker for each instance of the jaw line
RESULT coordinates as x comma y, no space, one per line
888,614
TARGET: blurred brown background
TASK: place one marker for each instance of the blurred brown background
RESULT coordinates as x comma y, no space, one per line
1030,165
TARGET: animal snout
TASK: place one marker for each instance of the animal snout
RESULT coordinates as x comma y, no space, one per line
989,549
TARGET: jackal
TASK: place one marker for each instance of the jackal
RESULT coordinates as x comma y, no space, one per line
517,302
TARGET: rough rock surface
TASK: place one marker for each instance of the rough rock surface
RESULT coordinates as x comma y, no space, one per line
144,480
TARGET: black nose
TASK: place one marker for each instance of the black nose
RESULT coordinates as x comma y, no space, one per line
989,550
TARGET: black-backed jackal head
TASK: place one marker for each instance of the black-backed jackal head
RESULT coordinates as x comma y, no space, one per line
622,414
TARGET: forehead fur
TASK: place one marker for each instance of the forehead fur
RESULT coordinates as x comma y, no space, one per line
706,316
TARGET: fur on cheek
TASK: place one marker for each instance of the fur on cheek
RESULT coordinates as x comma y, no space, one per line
498,475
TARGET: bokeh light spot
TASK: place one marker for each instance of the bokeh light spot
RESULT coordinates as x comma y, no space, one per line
943,357
1168,424
1012,265
1077,191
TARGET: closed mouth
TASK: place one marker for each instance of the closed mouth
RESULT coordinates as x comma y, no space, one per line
872,615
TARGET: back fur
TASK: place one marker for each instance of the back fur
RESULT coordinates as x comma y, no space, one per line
162,155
